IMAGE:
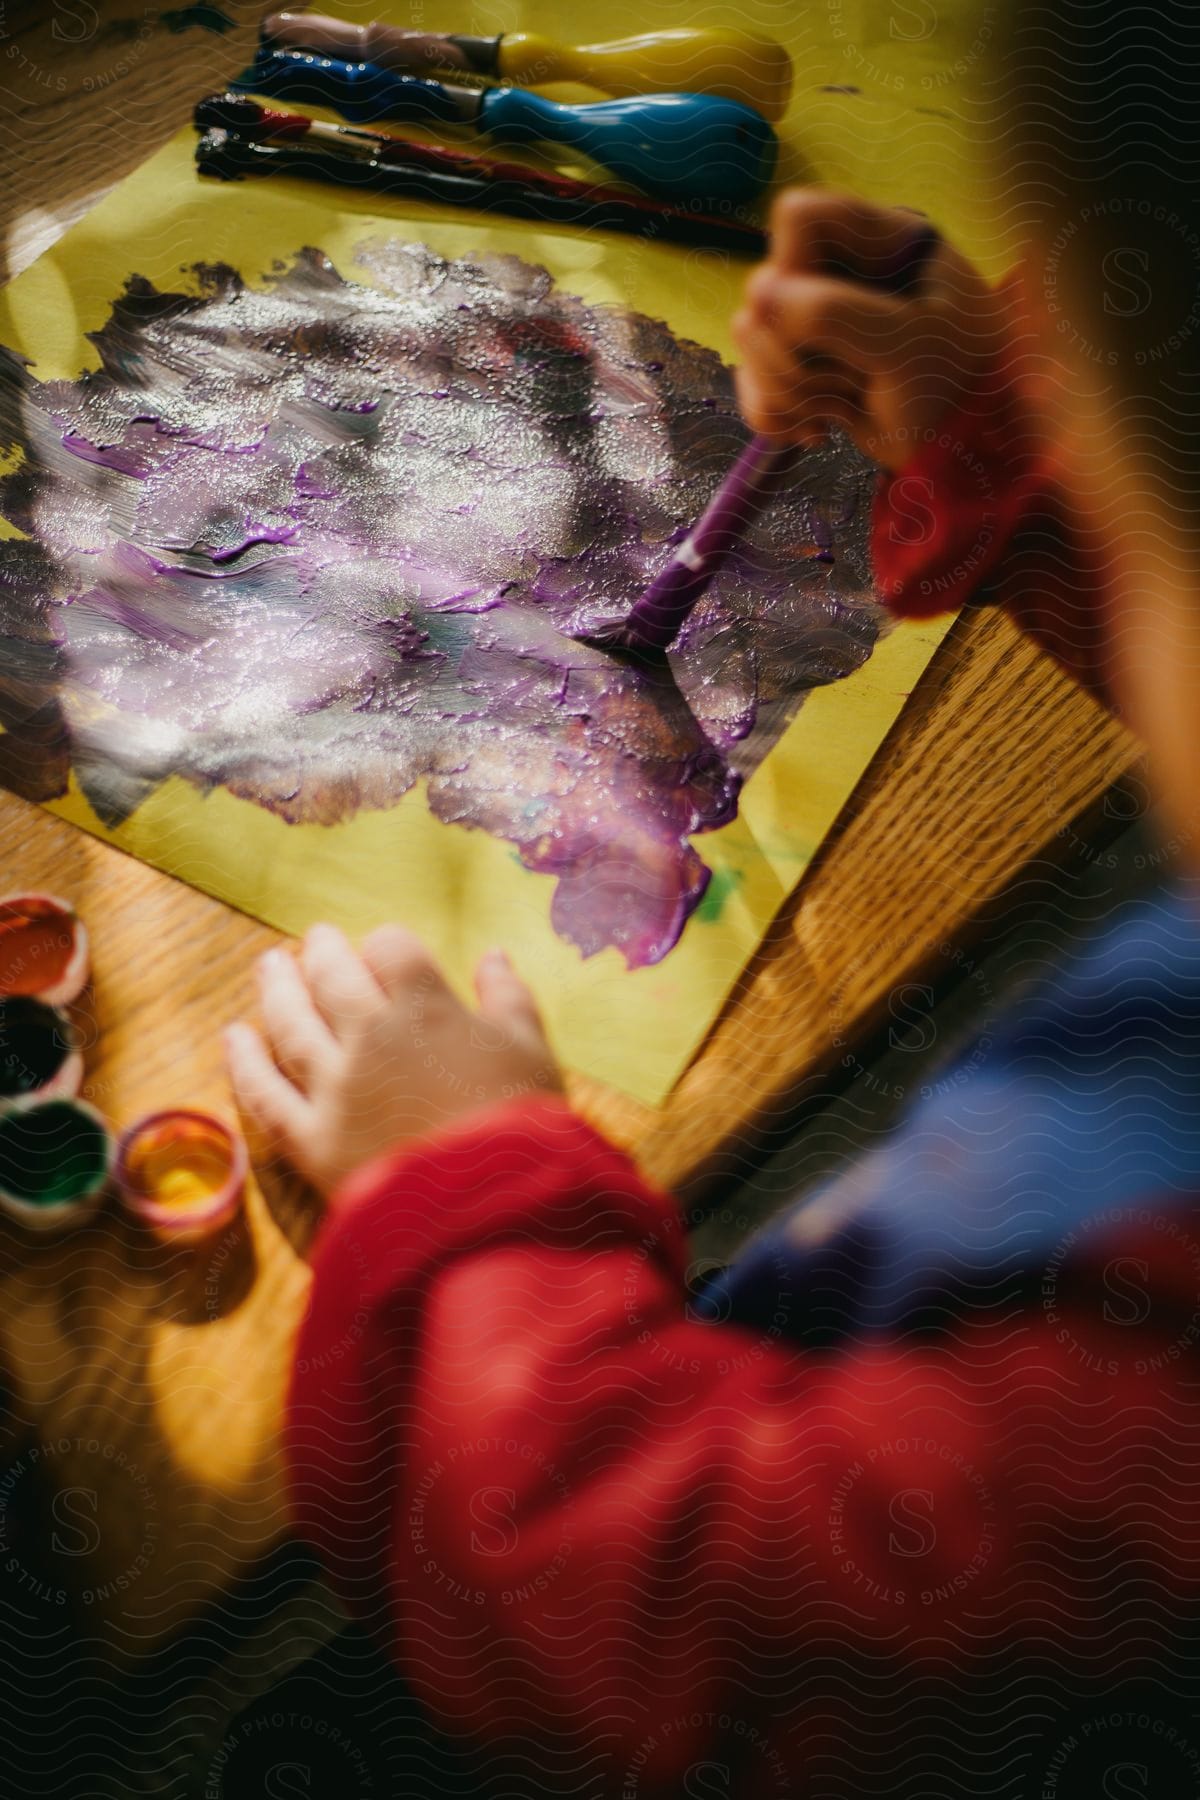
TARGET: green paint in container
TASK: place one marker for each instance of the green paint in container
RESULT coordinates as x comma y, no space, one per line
55,1160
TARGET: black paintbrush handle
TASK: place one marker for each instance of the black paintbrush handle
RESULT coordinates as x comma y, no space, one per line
228,155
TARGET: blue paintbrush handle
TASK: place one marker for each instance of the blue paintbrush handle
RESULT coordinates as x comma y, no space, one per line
676,146
359,91
679,147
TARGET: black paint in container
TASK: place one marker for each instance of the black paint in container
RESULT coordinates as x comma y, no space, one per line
55,1161
39,1051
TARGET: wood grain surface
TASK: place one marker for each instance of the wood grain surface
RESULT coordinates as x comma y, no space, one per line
152,1380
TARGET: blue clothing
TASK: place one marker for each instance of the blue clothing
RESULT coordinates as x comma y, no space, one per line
1084,1106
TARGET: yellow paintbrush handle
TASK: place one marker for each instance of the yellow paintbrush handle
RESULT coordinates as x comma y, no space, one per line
735,64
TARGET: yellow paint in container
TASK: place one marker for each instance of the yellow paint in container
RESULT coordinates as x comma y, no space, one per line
182,1173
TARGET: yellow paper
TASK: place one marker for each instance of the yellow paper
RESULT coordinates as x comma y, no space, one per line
462,890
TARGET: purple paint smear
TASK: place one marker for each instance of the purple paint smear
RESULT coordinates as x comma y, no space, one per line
318,543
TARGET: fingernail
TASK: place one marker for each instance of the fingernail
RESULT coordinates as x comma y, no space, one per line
762,290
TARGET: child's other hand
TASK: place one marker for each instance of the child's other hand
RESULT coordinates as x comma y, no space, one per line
822,349
364,1049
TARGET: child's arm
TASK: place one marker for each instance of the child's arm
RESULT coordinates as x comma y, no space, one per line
590,1524
953,391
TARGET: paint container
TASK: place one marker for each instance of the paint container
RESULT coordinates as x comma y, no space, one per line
55,1160
182,1174
39,1052
43,949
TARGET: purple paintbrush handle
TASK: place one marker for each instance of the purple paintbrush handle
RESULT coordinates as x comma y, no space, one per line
654,619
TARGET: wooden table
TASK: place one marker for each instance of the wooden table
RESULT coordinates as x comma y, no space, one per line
153,1383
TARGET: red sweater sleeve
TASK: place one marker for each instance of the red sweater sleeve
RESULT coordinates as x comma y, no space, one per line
983,509
623,1541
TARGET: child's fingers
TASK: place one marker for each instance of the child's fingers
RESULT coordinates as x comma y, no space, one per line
504,998
861,327
767,376
806,413
263,1090
343,989
801,398
783,394
814,230
299,1037
398,960
827,410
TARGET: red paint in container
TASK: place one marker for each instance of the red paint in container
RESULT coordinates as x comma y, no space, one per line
182,1173
43,949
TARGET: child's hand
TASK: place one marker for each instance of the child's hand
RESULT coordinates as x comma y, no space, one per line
366,1048
821,349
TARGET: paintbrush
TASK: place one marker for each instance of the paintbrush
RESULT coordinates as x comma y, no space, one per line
738,65
678,147
243,137
654,620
